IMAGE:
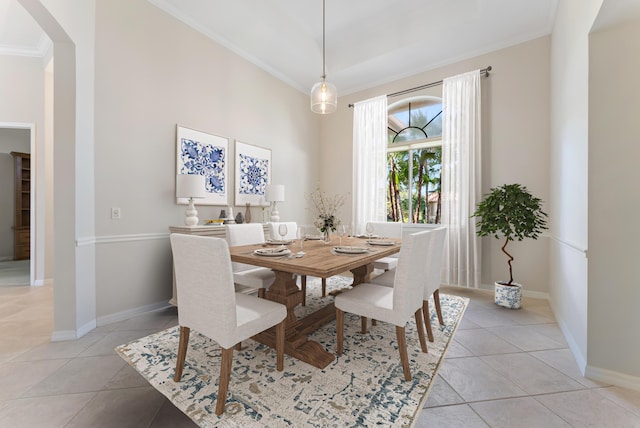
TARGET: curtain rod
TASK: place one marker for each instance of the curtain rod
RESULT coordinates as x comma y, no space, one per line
484,71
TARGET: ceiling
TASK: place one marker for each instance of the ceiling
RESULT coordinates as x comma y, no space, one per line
368,42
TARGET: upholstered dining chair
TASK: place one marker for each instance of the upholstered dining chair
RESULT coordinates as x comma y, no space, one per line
433,265
386,229
244,274
394,305
210,305
292,233
292,230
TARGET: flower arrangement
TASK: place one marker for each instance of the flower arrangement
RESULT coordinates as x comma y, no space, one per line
327,207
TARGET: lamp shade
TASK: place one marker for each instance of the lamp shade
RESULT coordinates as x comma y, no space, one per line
190,186
324,97
274,193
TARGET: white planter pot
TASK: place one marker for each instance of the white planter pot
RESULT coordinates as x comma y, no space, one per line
509,296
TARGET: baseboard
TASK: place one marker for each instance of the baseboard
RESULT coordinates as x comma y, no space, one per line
123,315
581,360
61,336
525,292
43,282
91,325
613,378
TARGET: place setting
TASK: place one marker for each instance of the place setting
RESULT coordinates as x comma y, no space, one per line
272,252
349,249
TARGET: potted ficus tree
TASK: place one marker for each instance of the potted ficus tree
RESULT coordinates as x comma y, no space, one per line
511,212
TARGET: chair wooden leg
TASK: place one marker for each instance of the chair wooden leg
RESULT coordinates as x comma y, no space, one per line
436,301
420,328
374,322
239,346
427,319
402,347
261,292
223,383
280,346
339,330
182,352
303,286
324,287
363,325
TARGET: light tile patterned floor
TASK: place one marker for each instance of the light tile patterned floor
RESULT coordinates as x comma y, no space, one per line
504,369
509,368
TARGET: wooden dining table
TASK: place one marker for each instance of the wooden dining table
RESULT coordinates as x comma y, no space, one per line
320,260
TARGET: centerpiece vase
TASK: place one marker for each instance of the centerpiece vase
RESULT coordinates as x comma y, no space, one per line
326,235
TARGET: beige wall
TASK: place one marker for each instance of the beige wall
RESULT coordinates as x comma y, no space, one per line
614,203
515,133
153,72
569,171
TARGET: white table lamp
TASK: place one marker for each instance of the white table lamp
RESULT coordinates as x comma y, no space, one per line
190,186
274,193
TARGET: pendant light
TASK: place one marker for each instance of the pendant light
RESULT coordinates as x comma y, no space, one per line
324,95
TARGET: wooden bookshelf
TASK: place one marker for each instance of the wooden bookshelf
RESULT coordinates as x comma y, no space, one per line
22,206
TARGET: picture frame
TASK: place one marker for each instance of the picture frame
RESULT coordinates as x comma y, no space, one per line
205,154
252,173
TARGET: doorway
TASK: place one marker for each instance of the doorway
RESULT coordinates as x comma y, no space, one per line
17,256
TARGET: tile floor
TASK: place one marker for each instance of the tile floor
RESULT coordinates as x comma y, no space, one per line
503,369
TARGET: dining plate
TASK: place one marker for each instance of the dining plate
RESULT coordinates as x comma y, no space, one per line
272,252
278,242
385,242
350,250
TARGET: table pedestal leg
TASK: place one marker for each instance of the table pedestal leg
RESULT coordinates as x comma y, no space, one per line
284,290
361,274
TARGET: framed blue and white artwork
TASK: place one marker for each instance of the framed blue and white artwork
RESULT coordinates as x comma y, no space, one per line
208,155
253,173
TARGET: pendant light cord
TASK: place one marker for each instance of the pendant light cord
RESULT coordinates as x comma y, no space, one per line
324,68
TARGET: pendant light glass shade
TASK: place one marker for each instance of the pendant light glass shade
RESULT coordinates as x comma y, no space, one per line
324,97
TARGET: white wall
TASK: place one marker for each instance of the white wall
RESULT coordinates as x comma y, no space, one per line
66,22
153,72
614,203
11,140
515,133
569,170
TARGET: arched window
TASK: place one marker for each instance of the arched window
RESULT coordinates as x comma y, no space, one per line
414,158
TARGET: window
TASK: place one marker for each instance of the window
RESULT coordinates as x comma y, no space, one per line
414,159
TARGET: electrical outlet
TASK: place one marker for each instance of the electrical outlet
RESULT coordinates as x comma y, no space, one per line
116,214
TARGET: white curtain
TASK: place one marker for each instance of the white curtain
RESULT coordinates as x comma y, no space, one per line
461,178
369,162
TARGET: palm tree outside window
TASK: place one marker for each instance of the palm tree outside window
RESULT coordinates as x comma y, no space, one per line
414,160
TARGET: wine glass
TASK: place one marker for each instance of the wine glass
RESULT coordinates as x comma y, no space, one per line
300,236
282,231
369,230
342,231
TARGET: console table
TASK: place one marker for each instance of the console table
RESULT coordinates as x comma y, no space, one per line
216,231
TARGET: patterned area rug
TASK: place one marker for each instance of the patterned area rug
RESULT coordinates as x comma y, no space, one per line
363,387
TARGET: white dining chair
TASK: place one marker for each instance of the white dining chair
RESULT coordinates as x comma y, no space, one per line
244,274
210,305
385,229
394,305
292,233
292,230
433,265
